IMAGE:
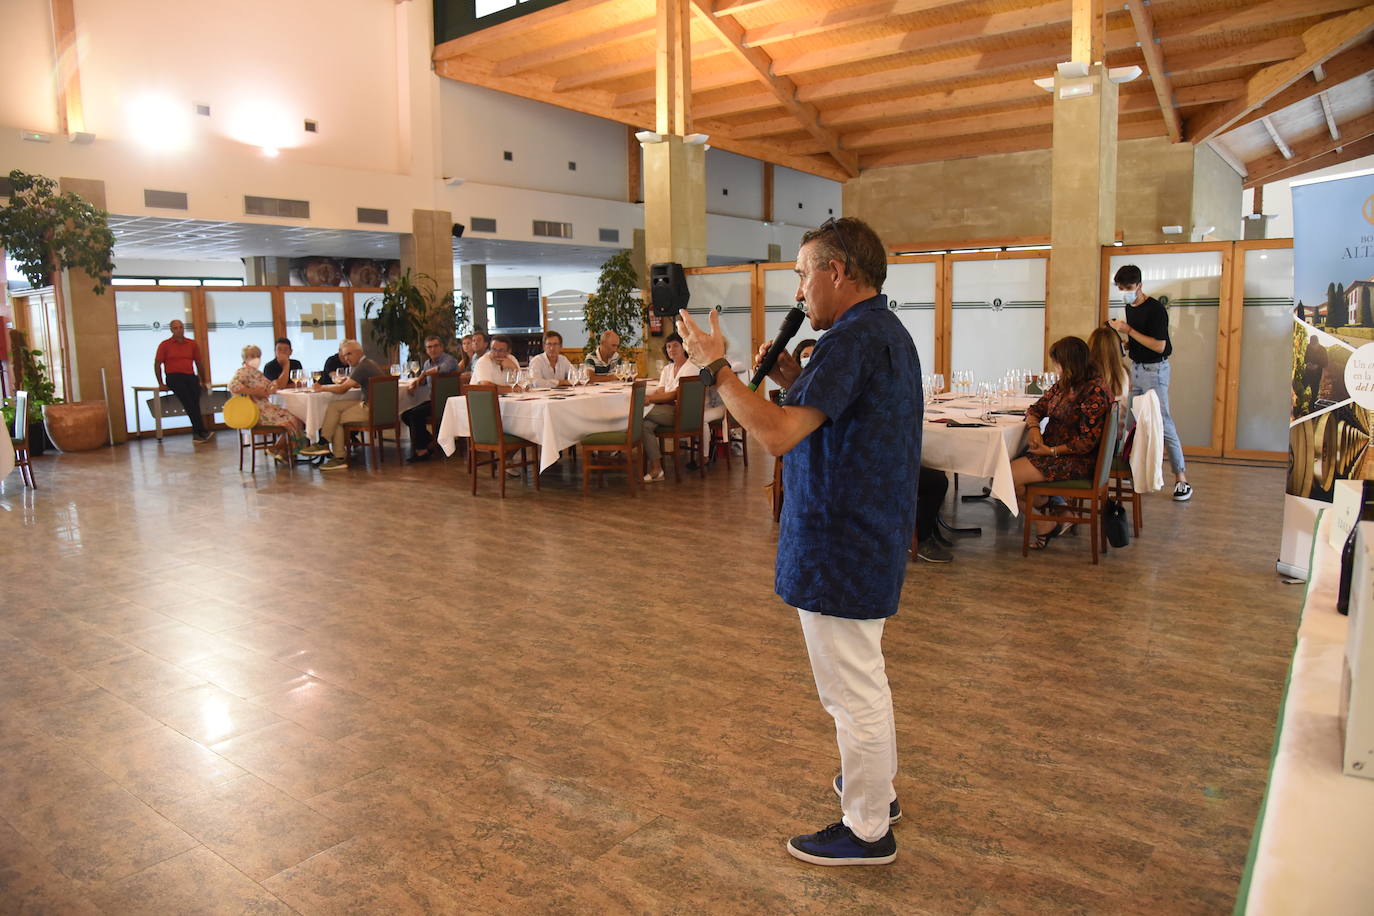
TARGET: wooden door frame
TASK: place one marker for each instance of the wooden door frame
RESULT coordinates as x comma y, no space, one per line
945,358
1236,324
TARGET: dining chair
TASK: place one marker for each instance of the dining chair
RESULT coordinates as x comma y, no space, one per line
383,413
20,439
484,422
630,445
1086,498
685,433
442,386
260,439
775,488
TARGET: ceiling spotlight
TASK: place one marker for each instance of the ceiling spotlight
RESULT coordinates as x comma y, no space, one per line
1171,230
696,139
648,136
271,152
1046,83
1123,74
1072,69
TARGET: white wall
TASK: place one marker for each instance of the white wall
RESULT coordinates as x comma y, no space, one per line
1278,197
741,177
144,267
819,198
480,125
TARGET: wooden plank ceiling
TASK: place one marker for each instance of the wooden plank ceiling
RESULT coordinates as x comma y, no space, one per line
831,87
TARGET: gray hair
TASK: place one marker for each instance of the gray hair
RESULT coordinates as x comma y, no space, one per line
349,345
251,351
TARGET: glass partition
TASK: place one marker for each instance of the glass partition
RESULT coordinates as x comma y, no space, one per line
143,316
998,315
910,290
315,324
236,318
1266,345
1189,285
729,292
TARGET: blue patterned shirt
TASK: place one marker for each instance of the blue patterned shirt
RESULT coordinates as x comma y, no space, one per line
850,486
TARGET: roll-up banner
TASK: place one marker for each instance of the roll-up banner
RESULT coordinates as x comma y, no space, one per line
1332,421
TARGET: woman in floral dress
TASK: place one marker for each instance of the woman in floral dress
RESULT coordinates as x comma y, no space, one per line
249,381
1077,408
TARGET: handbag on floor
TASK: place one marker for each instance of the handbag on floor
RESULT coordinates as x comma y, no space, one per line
1118,529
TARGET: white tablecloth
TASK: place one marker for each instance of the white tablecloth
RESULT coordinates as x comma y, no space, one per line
975,452
311,405
6,455
555,422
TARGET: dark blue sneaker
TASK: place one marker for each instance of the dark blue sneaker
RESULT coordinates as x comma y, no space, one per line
837,845
894,810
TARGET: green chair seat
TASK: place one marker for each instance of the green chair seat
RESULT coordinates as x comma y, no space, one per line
516,440
1070,484
612,438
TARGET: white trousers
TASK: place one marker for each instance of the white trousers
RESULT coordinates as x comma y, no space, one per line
847,662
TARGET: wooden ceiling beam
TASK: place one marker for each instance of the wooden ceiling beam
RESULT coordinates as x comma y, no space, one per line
824,166
743,104
705,82
1320,43
566,50
1011,142
1039,116
768,127
1252,16
492,34
1279,143
731,34
479,72
1330,117
1262,169
1154,63
816,23
1350,151
1003,25
703,49
735,7
1355,62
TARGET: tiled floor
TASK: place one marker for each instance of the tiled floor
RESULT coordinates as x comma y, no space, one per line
227,692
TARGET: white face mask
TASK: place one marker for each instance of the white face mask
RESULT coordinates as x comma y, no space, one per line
804,361
1128,296
254,362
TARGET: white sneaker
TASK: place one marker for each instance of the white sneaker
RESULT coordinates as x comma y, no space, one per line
654,478
1182,492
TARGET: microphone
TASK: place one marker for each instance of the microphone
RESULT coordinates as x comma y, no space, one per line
789,328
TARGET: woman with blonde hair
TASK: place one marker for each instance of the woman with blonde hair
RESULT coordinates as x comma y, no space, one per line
249,380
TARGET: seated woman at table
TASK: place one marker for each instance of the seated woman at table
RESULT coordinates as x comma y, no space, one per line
1110,362
662,412
248,380
1076,407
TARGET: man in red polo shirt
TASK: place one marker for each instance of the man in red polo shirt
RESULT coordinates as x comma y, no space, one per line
181,358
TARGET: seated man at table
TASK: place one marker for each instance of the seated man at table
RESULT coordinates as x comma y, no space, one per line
417,418
479,349
663,412
281,362
492,367
551,368
343,411
606,355
931,488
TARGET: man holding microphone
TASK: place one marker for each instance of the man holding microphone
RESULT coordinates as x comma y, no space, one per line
851,430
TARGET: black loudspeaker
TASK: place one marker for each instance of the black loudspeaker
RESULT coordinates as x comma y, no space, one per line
668,286
458,230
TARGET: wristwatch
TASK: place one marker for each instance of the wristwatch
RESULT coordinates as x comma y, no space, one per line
708,375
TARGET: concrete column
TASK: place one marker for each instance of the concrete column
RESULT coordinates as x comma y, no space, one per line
675,202
428,249
92,326
267,271
1082,199
474,285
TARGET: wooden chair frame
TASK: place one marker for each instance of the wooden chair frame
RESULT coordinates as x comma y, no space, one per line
1085,504
632,449
501,450
676,435
20,441
260,439
373,433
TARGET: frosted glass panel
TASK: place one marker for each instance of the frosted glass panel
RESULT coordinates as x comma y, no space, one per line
566,314
143,317
1266,344
315,324
910,290
236,319
729,292
1189,285
998,316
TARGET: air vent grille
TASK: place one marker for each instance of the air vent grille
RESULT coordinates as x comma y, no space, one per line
6,187
609,235
276,206
372,215
165,200
552,230
483,224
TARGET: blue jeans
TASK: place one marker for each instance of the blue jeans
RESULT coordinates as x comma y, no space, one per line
1155,377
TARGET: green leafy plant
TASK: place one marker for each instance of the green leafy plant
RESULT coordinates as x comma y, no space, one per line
411,310
33,378
615,306
43,231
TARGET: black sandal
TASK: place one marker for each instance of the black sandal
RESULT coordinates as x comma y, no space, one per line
1043,540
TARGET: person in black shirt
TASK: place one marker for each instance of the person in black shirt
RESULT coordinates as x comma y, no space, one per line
1147,343
281,360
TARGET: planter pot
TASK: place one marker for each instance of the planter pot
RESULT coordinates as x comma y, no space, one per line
38,438
77,427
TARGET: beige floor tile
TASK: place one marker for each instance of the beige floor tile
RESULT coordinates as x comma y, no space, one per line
141,677
195,882
161,766
175,642
211,614
29,883
96,717
323,709
38,769
208,714
100,835
294,760
243,672
255,828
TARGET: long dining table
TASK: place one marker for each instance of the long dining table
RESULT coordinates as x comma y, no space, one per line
984,450
310,405
554,419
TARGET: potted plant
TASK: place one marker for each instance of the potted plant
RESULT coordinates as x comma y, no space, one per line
616,304
33,378
411,310
43,231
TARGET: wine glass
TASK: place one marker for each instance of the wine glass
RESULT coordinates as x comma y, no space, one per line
340,375
414,368
315,376
937,382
